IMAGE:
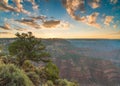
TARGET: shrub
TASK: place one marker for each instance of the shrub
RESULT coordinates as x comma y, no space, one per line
50,83
10,75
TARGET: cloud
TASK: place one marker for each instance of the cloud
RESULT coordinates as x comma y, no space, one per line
96,25
6,7
42,18
118,32
29,22
51,23
72,6
56,24
108,20
41,22
19,5
5,33
5,1
6,27
94,3
113,1
115,33
33,21
35,6
65,25
115,26
91,20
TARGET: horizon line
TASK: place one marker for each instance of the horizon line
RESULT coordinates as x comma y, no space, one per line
71,38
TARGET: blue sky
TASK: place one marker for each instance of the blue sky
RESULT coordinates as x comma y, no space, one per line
61,18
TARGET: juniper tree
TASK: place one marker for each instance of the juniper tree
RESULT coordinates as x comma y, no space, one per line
27,47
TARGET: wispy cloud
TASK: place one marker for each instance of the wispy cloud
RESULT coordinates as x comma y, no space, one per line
42,18
116,33
5,33
65,25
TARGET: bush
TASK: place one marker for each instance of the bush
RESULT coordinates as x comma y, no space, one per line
50,83
34,78
10,75
64,82
52,71
28,66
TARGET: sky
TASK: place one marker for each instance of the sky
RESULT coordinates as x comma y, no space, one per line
61,18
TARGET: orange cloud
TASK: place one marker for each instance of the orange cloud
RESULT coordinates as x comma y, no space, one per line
65,25
29,22
6,7
91,20
40,22
42,18
94,3
72,6
51,23
115,26
108,20
5,33
35,6
6,26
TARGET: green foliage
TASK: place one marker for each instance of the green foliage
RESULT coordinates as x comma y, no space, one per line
61,82
28,66
52,71
50,83
42,74
34,78
10,75
1,48
27,47
8,59
64,82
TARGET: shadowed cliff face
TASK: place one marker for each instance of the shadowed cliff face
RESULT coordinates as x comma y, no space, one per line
89,71
77,63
